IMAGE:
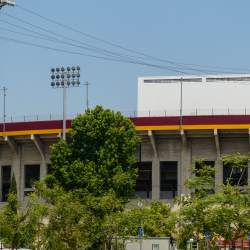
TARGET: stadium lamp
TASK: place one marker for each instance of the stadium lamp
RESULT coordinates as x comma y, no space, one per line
7,2
69,79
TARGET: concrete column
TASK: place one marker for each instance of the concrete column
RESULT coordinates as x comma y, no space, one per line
218,173
43,169
248,173
156,180
1,182
186,162
16,169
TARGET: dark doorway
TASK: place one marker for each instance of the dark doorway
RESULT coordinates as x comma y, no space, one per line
6,178
49,170
236,175
168,179
32,173
143,188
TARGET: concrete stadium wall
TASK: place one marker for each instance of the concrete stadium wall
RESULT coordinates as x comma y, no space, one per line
156,146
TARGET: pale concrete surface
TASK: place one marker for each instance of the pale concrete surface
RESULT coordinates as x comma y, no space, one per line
168,147
147,244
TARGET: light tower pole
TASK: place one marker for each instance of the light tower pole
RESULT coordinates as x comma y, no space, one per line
4,89
87,91
70,83
7,2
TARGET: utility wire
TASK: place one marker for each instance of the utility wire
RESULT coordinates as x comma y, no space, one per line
97,50
51,39
76,53
84,43
85,34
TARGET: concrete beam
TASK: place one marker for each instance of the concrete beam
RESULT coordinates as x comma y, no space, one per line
184,139
12,144
217,142
39,144
153,142
249,135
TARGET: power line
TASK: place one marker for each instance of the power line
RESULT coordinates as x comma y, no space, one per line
92,46
97,50
112,44
76,53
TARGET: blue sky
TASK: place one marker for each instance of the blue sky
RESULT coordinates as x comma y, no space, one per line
213,33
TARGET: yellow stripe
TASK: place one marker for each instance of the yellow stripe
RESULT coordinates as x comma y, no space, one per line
34,132
138,128
194,127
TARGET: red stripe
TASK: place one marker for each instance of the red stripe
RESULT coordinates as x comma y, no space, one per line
40,125
191,120
138,121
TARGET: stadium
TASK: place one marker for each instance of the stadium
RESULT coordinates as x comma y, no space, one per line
170,144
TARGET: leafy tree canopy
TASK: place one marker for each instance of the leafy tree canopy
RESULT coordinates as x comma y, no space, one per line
13,186
220,208
99,157
13,203
15,227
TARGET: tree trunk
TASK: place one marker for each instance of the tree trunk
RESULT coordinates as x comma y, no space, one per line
233,244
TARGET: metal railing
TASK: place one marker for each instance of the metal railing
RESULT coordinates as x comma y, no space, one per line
148,113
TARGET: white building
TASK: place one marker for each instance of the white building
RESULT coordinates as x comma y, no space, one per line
160,95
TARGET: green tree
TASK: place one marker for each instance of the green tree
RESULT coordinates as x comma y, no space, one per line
96,166
13,191
13,186
15,227
220,208
74,224
99,156
159,221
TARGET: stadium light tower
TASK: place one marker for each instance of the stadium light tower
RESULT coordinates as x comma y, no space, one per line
7,2
68,78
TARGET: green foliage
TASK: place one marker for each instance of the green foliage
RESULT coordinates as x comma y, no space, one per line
99,157
13,186
74,224
13,203
221,209
95,172
158,221
15,227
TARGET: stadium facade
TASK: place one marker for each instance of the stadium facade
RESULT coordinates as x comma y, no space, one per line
164,156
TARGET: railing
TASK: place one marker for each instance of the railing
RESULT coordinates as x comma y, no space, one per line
186,112
148,113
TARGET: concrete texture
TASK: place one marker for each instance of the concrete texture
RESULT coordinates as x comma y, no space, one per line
156,146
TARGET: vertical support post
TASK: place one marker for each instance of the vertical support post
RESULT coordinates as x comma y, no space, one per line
181,109
4,89
64,107
87,92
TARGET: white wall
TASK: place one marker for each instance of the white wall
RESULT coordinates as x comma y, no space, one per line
200,95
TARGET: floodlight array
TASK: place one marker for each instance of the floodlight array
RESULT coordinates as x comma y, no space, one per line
70,76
